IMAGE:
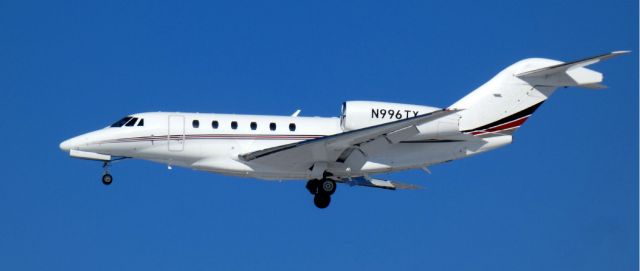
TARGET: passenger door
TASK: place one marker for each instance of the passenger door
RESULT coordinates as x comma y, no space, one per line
175,135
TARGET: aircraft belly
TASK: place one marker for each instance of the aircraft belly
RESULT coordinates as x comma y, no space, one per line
395,157
220,156
193,151
411,155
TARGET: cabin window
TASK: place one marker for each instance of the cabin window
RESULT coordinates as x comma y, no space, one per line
195,123
272,126
234,125
131,122
121,122
141,123
292,127
254,126
214,124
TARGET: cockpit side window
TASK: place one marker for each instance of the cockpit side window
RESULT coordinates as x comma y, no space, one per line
121,122
141,123
131,122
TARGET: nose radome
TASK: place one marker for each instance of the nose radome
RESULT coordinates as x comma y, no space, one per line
73,143
76,143
66,145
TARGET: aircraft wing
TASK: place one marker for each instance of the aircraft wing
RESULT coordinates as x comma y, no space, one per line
329,148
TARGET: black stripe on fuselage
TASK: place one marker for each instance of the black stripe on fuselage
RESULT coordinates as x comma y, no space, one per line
513,117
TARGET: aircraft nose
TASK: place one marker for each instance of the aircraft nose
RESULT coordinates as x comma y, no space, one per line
66,145
71,143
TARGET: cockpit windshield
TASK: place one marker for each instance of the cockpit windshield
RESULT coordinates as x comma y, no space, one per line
128,121
121,122
132,122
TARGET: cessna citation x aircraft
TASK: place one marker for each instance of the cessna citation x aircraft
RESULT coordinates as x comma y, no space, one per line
368,138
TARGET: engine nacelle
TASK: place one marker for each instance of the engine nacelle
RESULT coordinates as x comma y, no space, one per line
360,114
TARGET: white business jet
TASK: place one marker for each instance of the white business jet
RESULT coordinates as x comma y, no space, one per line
368,138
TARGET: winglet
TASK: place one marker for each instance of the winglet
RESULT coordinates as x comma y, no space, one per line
621,52
596,86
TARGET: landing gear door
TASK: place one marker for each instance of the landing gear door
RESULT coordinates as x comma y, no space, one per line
175,135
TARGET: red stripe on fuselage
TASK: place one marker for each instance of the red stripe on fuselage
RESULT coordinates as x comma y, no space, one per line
213,136
509,125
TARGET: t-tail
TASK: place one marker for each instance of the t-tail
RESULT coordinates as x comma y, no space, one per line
504,103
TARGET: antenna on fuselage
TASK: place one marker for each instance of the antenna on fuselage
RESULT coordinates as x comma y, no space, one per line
295,114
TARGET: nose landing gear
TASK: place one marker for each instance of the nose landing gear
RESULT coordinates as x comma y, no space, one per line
106,177
322,191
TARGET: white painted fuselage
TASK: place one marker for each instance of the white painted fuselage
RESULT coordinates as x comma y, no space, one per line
194,140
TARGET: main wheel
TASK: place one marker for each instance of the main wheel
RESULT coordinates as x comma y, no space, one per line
322,200
328,186
312,186
107,179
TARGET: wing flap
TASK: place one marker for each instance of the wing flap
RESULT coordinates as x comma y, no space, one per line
379,183
401,134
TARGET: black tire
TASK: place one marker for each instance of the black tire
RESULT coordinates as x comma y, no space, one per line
312,186
327,186
322,200
107,179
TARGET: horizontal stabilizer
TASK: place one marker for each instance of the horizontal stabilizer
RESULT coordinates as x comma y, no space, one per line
570,65
379,183
569,74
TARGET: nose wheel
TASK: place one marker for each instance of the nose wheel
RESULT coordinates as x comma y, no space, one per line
107,179
322,191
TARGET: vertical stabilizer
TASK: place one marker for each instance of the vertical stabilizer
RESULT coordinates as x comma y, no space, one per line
505,102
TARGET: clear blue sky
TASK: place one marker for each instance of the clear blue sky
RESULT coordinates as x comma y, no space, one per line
564,196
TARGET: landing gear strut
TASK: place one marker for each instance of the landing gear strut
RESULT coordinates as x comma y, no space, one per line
322,191
106,177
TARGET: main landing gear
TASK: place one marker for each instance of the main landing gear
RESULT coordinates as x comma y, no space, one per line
106,177
322,191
